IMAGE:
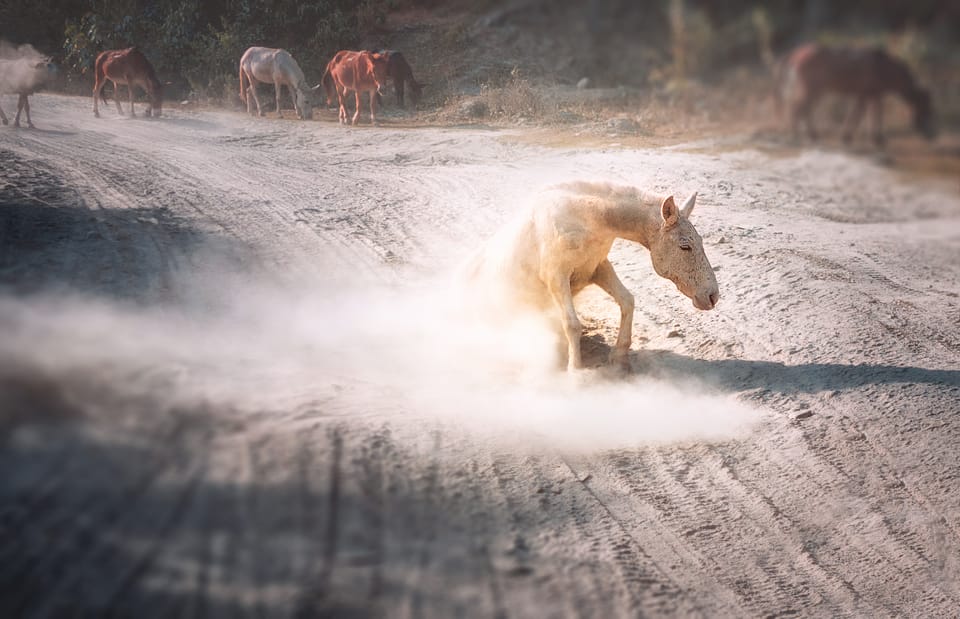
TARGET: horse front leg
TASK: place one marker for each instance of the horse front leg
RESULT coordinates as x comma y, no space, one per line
853,120
804,112
878,137
341,95
356,114
559,287
116,97
23,104
3,117
133,113
373,107
277,86
607,279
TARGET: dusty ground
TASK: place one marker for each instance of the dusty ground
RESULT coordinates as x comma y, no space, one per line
235,381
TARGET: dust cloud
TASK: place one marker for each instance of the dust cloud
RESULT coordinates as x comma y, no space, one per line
18,68
240,347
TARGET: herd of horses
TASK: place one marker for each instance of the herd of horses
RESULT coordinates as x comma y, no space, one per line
810,71
348,71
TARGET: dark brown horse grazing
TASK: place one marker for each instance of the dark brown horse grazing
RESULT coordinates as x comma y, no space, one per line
127,66
867,74
399,71
358,72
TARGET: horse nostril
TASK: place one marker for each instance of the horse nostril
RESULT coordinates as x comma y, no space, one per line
714,297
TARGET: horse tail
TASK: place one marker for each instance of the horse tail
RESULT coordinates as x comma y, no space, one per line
100,76
328,86
243,88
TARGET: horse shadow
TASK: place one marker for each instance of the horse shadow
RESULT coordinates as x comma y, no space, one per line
54,241
50,132
736,375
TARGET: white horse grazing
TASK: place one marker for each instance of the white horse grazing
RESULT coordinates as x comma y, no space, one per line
277,67
560,246
23,77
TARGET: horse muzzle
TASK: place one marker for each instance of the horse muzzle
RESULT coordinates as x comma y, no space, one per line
706,301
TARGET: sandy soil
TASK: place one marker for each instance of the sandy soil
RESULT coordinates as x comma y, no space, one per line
236,379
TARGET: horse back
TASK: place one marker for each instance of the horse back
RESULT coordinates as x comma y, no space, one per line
122,65
847,70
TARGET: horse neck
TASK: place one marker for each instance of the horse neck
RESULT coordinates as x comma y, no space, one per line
633,217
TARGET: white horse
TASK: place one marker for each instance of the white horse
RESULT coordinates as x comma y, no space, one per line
23,77
277,67
560,246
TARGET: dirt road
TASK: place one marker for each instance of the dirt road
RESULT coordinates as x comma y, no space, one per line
235,382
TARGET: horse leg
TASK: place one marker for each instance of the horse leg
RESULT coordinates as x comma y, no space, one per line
116,97
277,86
607,279
373,107
356,114
878,138
3,117
341,94
559,287
133,113
804,111
23,104
97,89
256,99
853,120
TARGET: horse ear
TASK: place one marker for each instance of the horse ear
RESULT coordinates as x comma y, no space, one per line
669,212
687,207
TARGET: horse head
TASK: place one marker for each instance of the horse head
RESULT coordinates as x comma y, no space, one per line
304,100
416,91
923,113
677,254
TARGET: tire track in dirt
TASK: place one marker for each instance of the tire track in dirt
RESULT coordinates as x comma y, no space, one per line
332,509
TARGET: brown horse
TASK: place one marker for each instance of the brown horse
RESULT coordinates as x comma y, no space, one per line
358,72
127,66
399,71
867,74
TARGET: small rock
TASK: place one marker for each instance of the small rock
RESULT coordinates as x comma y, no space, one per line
585,478
721,240
803,414
583,83
623,124
675,333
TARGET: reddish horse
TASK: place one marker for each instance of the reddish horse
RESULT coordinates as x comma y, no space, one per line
358,72
127,66
812,70
399,71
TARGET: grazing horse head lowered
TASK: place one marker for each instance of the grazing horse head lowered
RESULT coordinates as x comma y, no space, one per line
399,71
561,245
